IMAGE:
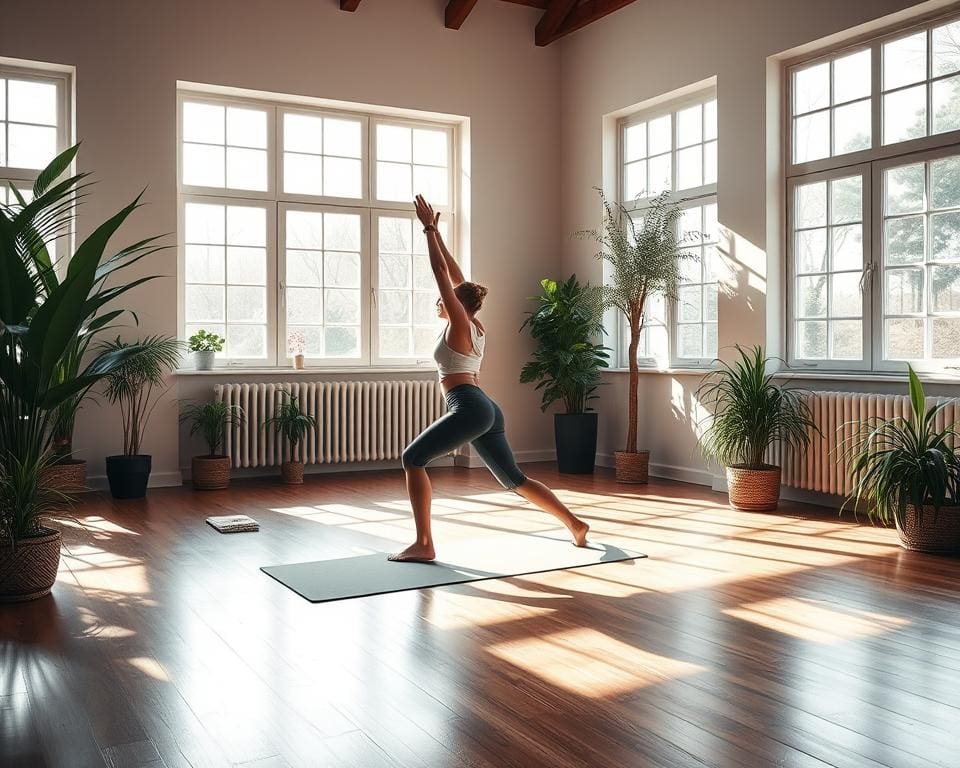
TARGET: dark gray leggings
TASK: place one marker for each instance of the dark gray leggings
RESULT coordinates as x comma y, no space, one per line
473,418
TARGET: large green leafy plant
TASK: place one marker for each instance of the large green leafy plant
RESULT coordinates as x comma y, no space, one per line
751,413
644,254
291,423
47,319
211,421
905,462
566,363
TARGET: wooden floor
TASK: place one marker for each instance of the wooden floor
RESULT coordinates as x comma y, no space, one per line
792,639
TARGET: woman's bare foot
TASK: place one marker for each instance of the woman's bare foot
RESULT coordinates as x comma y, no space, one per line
579,532
415,553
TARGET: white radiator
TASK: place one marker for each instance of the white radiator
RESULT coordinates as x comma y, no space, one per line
356,420
822,466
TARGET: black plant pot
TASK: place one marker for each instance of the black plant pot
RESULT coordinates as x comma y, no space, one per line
576,440
128,476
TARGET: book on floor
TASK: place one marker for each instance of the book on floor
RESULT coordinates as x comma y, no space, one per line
233,523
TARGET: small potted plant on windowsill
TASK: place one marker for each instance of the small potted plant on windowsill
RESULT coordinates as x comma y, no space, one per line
751,414
205,347
131,386
566,366
906,472
211,420
297,345
292,425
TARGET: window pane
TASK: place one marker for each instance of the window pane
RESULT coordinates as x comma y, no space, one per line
341,231
203,123
247,168
846,340
635,142
690,126
846,297
431,182
946,337
395,342
811,88
341,306
247,127
905,61
3,150
396,235
710,296
246,304
394,271
690,303
847,245
342,341
710,162
424,340
945,289
205,223
946,105
394,307
430,147
304,230
903,293
203,264
710,119
945,236
246,225
812,250
659,174
342,137
851,127
302,174
903,339
247,341
846,200
812,296
812,340
812,204
660,138
303,133
3,105
342,177
204,303
304,268
342,269
312,337
394,143
905,114
394,182
905,240
635,182
945,183
689,167
946,49
203,165
904,189
690,340
811,137
851,77
424,307
305,305
246,266
32,102
30,146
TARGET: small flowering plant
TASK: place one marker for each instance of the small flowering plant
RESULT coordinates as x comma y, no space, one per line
296,343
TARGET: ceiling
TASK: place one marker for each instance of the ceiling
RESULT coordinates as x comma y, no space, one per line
560,17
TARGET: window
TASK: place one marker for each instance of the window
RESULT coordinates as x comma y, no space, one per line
34,128
873,194
297,229
674,148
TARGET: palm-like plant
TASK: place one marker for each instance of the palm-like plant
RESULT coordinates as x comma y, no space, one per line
291,423
47,319
211,421
645,259
750,413
904,462
566,363
131,384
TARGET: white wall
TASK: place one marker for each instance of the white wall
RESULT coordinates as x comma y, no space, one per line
655,47
129,56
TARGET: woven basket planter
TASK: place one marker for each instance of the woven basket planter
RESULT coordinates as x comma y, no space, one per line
754,490
292,472
938,532
210,473
28,570
68,476
632,467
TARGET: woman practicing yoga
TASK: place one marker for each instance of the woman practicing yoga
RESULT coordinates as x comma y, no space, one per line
471,416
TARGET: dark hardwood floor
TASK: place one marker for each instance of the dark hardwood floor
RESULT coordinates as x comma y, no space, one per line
793,639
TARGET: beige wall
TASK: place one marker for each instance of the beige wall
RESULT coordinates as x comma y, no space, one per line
654,47
129,56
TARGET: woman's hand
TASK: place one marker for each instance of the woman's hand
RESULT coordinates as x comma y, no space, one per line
425,212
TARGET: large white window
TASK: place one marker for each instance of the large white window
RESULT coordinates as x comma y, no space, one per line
673,147
298,231
873,193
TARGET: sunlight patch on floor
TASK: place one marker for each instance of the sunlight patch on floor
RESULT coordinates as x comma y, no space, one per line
815,620
590,663
97,569
97,524
149,667
451,610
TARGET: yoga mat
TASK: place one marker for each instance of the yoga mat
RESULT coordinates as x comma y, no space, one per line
487,557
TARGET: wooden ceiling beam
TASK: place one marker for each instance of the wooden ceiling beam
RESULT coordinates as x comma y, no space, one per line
580,17
349,5
457,12
552,18
541,4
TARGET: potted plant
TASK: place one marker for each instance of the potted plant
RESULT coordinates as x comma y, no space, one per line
566,366
297,345
131,386
750,413
211,472
204,347
42,317
643,260
905,471
292,425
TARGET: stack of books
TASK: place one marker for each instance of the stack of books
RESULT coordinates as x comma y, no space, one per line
233,523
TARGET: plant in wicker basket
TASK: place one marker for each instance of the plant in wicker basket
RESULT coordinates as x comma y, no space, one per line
750,413
906,471
211,420
292,425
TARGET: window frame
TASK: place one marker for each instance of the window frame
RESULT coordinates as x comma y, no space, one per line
871,163
704,194
279,201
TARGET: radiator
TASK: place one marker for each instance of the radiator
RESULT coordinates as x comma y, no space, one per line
822,466
356,420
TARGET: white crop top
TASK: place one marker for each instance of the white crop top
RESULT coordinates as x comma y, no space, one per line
450,361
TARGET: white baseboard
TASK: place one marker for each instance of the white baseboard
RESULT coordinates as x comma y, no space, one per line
322,469
157,480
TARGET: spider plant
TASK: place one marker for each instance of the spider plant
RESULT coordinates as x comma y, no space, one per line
211,421
904,462
750,413
291,423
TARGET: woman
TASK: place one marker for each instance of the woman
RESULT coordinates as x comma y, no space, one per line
471,416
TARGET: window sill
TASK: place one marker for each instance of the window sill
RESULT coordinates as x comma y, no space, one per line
302,371
899,378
